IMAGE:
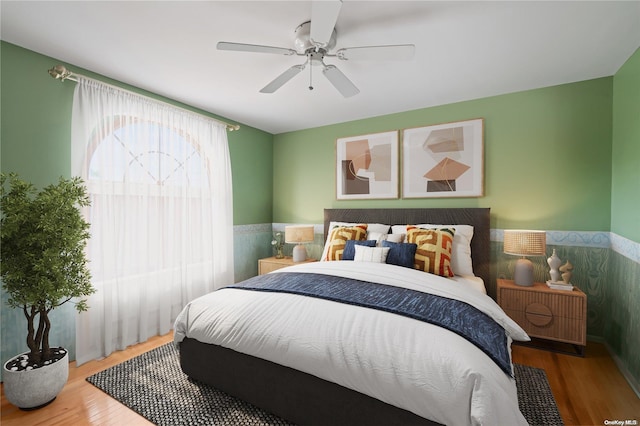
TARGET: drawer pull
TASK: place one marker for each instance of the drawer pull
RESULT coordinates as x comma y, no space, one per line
538,314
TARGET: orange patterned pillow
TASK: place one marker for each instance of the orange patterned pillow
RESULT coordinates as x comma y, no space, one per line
433,254
339,236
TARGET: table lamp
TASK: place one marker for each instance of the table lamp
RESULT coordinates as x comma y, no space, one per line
520,242
298,234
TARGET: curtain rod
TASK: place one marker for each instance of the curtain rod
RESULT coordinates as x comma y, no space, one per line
60,72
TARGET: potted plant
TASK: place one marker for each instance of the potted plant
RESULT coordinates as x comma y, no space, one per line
43,237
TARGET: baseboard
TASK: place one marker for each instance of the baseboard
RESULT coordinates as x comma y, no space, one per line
597,339
623,369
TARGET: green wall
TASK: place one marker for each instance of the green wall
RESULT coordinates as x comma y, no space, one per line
251,152
547,159
625,202
36,118
622,324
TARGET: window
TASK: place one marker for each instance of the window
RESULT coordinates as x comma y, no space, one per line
161,157
163,203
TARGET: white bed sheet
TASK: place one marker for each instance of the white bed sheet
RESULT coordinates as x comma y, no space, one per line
470,281
413,365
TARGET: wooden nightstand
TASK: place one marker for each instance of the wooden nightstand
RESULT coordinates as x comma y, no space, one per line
269,264
544,313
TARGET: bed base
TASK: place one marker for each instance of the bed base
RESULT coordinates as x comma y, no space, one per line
298,397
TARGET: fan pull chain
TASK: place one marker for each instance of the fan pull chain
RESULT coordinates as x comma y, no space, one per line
311,78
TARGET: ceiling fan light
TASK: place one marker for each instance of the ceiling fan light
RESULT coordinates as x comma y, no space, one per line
315,58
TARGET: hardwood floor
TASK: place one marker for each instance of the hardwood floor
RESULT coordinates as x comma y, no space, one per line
588,390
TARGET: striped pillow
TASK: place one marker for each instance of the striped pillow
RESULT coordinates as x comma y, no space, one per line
350,247
338,239
433,253
371,254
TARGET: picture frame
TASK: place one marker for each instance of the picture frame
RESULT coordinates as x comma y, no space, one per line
443,160
367,166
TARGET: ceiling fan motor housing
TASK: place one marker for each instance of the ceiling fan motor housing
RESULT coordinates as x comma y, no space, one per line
304,43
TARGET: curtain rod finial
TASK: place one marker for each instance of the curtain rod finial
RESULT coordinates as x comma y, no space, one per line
60,72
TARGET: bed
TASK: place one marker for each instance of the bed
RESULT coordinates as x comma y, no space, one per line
312,360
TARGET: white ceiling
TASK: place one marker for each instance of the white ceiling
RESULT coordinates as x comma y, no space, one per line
464,50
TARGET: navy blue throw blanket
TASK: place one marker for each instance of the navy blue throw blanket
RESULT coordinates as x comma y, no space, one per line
453,315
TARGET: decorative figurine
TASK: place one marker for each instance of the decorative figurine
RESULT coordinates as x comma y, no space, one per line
554,263
566,270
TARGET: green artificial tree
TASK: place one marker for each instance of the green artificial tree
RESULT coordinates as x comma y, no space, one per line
43,237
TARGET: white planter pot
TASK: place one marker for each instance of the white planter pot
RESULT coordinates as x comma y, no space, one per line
30,389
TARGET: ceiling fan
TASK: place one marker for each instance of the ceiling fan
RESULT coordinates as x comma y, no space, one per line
315,39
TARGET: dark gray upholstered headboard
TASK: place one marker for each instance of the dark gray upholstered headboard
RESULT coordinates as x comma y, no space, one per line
479,218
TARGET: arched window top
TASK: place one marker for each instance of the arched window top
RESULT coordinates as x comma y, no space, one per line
150,154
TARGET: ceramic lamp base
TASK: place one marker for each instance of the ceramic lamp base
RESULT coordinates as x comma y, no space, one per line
299,253
523,274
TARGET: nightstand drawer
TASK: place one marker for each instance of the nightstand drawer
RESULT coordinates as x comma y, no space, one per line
568,330
571,305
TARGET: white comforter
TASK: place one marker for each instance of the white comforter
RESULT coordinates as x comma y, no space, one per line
413,365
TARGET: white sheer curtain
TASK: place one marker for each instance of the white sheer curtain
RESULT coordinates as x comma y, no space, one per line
161,216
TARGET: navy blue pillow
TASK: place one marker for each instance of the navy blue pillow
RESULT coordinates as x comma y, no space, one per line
401,254
349,251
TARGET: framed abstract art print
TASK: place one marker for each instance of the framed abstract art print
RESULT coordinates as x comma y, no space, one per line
367,167
443,160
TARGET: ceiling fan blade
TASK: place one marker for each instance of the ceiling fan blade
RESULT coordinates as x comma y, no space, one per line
241,47
398,52
340,81
324,15
282,79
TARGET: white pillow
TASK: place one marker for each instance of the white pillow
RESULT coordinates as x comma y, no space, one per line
399,229
461,262
371,254
380,237
371,227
